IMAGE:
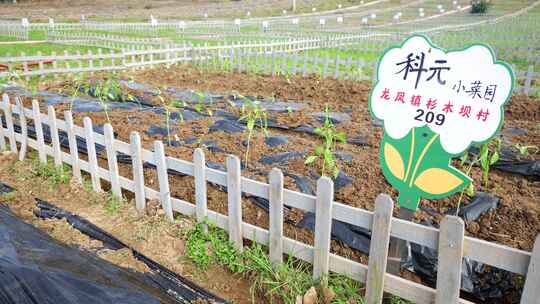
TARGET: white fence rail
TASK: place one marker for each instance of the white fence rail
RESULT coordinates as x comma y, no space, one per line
13,30
449,240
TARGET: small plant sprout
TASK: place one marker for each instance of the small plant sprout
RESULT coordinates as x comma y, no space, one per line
11,77
525,150
254,115
325,151
489,154
166,106
75,89
200,106
108,90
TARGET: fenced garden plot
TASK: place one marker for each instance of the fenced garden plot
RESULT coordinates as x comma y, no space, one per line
342,212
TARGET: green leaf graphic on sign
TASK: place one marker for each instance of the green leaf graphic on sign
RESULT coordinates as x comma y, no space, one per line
418,166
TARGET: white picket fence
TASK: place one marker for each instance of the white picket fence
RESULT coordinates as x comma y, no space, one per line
276,59
450,241
13,30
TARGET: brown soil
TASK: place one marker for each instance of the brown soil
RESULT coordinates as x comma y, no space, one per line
515,223
151,235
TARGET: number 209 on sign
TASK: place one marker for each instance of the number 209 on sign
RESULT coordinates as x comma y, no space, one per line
429,117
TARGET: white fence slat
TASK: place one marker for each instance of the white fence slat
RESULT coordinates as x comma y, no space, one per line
529,76
378,250
24,129
163,177
138,173
531,290
73,149
275,194
111,160
36,113
323,227
199,174
3,146
53,127
234,198
451,239
8,112
92,157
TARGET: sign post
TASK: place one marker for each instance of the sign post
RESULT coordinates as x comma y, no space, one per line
435,103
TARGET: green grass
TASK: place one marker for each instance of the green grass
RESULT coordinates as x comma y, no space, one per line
45,48
53,174
113,204
285,281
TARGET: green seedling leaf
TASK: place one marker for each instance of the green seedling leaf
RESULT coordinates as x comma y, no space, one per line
310,159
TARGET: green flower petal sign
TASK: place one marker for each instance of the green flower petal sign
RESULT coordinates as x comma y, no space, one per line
417,166
435,103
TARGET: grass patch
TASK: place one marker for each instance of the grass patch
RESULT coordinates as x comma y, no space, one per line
282,282
113,204
53,174
14,49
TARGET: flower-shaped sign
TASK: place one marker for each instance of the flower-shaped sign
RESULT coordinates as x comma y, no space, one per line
434,104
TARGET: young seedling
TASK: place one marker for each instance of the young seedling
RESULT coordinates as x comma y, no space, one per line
200,106
108,90
254,115
488,155
525,150
325,151
11,77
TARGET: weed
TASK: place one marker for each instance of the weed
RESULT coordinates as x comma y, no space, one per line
283,282
196,247
12,76
325,152
254,115
55,175
7,197
526,150
346,289
113,204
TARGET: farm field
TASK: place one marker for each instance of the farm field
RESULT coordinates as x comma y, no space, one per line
226,152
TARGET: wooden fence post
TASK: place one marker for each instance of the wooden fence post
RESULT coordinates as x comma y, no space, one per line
531,290
323,228
24,129
275,195
112,161
234,196
451,237
138,173
163,177
378,249
92,157
73,149
53,128
39,132
199,174
8,111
